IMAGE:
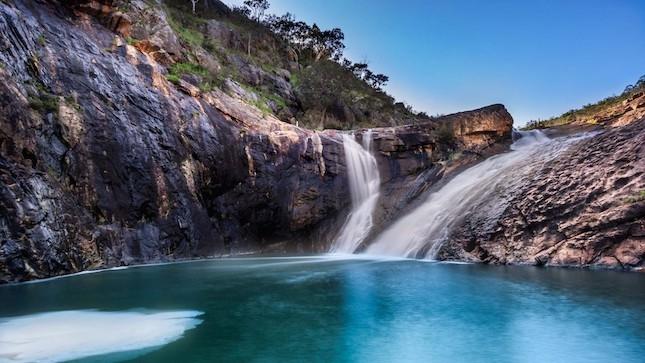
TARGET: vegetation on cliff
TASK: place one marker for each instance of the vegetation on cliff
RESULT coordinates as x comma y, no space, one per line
599,112
287,67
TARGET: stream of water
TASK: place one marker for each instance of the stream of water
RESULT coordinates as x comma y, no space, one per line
364,184
422,232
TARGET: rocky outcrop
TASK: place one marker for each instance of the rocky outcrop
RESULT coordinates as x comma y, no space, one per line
103,162
585,208
153,34
106,12
412,159
633,108
480,129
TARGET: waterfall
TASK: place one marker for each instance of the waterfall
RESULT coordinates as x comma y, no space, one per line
364,184
422,232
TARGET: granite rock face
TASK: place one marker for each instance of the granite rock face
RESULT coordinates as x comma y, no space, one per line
585,208
103,162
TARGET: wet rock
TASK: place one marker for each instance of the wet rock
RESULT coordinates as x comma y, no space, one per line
413,159
585,208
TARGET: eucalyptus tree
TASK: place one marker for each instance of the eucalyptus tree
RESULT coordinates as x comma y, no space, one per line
257,8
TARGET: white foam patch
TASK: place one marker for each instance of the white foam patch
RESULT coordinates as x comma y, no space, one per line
455,262
68,335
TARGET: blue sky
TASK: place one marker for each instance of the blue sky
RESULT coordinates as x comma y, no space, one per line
540,58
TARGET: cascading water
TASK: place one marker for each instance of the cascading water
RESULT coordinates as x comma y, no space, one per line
364,184
422,232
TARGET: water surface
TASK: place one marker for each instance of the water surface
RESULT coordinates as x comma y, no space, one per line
334,310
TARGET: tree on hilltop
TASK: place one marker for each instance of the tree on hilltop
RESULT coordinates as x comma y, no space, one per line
326,43
361,71
257,8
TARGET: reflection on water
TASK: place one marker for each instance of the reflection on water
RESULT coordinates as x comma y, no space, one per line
509,313
335,310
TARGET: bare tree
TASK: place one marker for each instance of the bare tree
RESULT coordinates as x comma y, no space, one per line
194,2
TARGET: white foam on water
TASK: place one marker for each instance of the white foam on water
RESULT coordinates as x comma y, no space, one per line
81,273
373,258
264,264
452,262
67,335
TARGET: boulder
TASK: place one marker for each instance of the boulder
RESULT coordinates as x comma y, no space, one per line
153,33
105,12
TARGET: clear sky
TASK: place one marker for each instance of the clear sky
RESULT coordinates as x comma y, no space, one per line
540,58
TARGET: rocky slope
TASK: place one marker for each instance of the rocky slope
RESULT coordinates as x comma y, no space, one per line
104,162
613,111
584,208
265,63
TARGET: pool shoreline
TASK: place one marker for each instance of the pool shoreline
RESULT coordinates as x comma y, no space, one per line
256,256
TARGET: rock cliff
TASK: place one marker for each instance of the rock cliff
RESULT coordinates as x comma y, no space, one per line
414,158
103,162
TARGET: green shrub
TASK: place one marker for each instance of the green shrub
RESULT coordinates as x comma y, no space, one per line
279,101
636,198
588,112
190,36
71,101
41,40
131,41
173,78
294,80
207,86
261,105
445,135
183,23
180,69
44,102
325,82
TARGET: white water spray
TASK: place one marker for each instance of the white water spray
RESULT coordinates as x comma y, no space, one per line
364,184
422,232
